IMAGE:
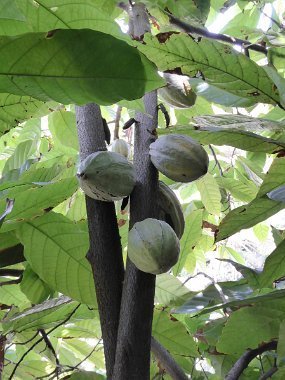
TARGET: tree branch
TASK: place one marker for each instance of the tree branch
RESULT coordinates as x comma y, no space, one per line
50,346
242,363
215,36
105,253
168,363
11,272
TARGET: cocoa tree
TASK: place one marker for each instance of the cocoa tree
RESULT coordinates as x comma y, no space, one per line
73,305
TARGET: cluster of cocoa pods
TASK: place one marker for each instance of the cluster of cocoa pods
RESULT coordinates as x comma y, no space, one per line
153,244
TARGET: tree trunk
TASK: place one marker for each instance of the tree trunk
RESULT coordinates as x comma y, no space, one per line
105,252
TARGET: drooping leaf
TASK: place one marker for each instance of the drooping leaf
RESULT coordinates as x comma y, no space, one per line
219,64
44,315
239,122
75,66
238,139
53,239
274,266
247,216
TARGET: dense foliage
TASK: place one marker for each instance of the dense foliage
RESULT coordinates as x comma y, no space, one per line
219,300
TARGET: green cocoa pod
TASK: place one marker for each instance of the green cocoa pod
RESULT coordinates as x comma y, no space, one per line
153,246
177,93
120,146
179,157
170,209
106,176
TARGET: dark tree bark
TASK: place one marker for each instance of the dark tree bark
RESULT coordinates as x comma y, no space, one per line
105,253
134,336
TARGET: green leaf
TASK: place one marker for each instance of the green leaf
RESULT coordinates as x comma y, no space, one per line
210,194
23,151
169,290
75,66
239,122
33,287
218,63
260,208
238,139
260,323
53,239
247,216
249,274
281,343
12,295
277,194
274,266
8,209
243,192
60,14
192,232
172,335
62,125
15,109
275,176
44,315
261,231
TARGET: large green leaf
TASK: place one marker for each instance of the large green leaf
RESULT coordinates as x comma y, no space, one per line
172,335
53,239
47,315
26,16
260,323
274,266
75,66
234,137
218,63
31,201
247,216
239,122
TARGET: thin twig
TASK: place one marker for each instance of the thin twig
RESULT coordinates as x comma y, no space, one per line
11,272
269,373
215,36
40,340
280,26
117,122
216,160
242,363
50,346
